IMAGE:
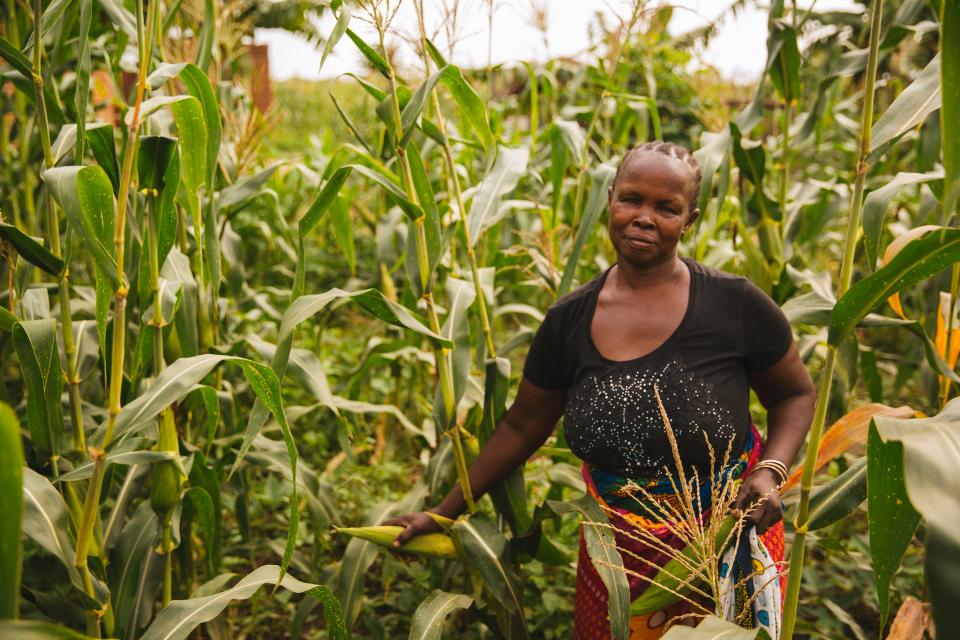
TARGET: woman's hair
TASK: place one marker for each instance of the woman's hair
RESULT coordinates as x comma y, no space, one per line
674,151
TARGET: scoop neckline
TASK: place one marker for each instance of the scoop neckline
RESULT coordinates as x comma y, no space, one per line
691,297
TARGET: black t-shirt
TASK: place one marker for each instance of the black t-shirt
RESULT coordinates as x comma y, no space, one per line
730,330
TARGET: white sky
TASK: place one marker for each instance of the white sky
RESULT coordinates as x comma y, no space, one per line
739,49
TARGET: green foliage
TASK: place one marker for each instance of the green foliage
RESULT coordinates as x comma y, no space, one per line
389,243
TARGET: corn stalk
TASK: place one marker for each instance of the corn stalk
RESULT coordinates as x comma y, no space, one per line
92,499
826,375
458,197
53,232
442,354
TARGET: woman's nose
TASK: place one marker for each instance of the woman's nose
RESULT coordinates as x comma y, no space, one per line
643,217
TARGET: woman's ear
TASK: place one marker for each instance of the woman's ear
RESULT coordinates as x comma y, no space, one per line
693,215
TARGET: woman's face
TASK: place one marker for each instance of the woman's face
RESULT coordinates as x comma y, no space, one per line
650,207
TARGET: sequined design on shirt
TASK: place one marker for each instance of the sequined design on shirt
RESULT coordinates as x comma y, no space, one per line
612,417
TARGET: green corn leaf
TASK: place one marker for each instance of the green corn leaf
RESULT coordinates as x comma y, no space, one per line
941,565
431,224
31,250
7,320
468,101
204,476
713,628
153,160
950,113
324,199
86,195
45,521
875,209
305,307
36,344
349,123
342,225
182,616
929,450
429,618
82,93
201,504
121,17
572,137
910,108
178,379
123,458
372,300
785,70
15,58
606,559
373,91
375,59
176,268
435,54
11,505
456,328
485,211
198,85
840,498
389,182
713,150
99,136
920,259
36,630
510,495
891,517
600,180
134,573
751,115
343,21
22,64
303,366
483,547
246,188
192,136
207,35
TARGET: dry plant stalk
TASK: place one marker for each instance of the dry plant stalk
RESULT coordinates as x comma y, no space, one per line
703,536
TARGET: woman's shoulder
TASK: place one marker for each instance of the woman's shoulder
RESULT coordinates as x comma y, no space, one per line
580,296
715,277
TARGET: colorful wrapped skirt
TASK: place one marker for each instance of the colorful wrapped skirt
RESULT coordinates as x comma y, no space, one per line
591,621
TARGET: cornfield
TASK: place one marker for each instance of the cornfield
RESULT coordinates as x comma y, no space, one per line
233,343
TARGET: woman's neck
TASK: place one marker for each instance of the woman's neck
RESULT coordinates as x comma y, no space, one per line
631,277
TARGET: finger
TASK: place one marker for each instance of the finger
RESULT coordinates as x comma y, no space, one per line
404,536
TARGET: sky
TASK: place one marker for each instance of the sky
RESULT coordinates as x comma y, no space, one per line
738,51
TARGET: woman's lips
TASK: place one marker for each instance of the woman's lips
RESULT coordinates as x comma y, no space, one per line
637,241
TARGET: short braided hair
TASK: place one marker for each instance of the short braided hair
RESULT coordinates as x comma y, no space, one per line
676,151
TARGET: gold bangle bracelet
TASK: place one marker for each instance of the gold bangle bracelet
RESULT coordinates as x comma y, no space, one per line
779,469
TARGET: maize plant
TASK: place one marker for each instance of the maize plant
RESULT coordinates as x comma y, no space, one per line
233,343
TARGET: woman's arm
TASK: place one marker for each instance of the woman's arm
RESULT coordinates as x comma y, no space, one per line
787,393
519,433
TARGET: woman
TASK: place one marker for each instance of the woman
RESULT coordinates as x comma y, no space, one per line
703,337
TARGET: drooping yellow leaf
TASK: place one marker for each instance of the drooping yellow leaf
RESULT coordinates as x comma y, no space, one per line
849,431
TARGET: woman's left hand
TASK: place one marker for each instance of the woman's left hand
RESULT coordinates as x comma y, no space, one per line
759,497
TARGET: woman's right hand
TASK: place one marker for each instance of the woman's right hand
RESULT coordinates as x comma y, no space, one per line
414,524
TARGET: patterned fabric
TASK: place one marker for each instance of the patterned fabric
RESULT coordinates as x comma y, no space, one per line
591,621
750,578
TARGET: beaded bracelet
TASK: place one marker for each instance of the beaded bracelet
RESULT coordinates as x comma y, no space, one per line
778,468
